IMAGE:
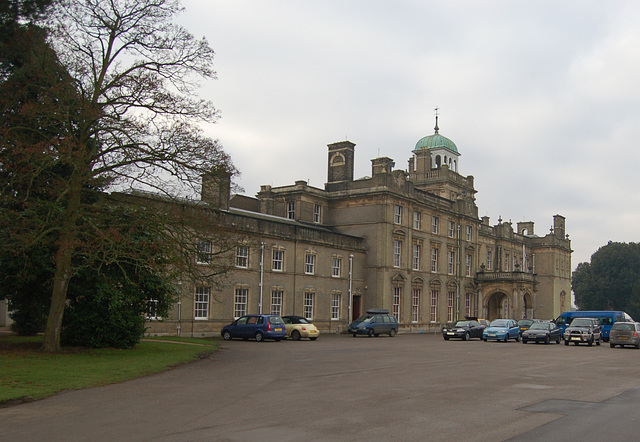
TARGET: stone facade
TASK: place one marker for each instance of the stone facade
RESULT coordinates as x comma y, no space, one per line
409,241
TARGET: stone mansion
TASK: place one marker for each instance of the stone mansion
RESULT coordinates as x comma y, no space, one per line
409,241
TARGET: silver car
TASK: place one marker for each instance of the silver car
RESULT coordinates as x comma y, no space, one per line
625,333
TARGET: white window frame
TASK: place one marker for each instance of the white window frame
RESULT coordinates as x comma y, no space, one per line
277,260
467,304
242,257
451,264
397,214
240,300
489,259
415,305
434,259
201,303
416,256
291,209
309,264
506,262
335,306
469,233
277,294
433,313
452,229
152,310
468,265
317,213
450,305
397,295
417,220
336,267
397,253
204,252
434,224
308,305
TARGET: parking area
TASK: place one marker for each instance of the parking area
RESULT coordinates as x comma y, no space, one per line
409,387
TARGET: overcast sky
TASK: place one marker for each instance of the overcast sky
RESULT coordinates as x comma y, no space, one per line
542,98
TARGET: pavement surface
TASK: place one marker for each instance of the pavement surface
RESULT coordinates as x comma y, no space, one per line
410,387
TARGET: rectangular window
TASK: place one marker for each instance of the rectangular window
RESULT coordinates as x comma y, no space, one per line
489,259
204,252
308,305
397,253
434,306
469,233
291,210
202,302
240,302
417,219
317,213
276,301
416,257
434,260
335,306
336,266
452,229
397,215
277,263
242,257
434,225
506,307
452,262
397,293
467,304
506,262
152,309
468,265
309,264
415,305
450,297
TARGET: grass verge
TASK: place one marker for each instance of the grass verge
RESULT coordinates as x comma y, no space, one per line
28,374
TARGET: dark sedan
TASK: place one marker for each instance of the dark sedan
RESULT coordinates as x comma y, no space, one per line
542,332
464,330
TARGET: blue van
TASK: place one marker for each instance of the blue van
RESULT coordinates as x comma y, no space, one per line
606,318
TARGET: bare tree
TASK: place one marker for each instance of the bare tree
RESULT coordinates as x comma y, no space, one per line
135,74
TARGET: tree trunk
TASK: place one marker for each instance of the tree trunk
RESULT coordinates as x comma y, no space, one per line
64,270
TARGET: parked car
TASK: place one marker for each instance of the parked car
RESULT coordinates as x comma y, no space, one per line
625,333
374,323
541,332
300,327
464,330
502,330
525,323
260,327
583,330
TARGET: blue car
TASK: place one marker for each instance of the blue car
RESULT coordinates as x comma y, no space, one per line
259,327
502,330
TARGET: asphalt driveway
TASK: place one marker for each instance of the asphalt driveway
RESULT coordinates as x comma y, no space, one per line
410,387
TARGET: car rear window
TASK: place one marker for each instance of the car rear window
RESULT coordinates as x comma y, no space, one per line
625,327
275,320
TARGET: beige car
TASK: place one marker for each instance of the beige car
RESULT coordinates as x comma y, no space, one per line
299,327
625,333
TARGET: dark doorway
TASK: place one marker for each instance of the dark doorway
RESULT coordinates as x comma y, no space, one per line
355,308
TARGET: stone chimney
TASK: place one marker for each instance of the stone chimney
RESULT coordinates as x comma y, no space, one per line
381,165
216,188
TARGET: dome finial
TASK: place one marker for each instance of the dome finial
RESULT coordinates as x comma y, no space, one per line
436,112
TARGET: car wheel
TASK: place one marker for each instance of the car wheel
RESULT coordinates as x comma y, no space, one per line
637,346
392,332
598,342
590,343
295,335
277,339
612,345
518,338
355,334
313,339
226,335
566,342
466,336
547,340
524,341
370,333
484,339
446,338
259,337
558,340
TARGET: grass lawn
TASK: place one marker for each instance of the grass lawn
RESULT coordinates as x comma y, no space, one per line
26,373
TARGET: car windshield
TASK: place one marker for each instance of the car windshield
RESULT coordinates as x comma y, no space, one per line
581,322
462,324
525,322
365,318
540,326
500,323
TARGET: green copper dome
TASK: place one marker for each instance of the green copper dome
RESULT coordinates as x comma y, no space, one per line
435,141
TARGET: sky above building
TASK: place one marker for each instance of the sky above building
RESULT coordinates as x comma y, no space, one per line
542,98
